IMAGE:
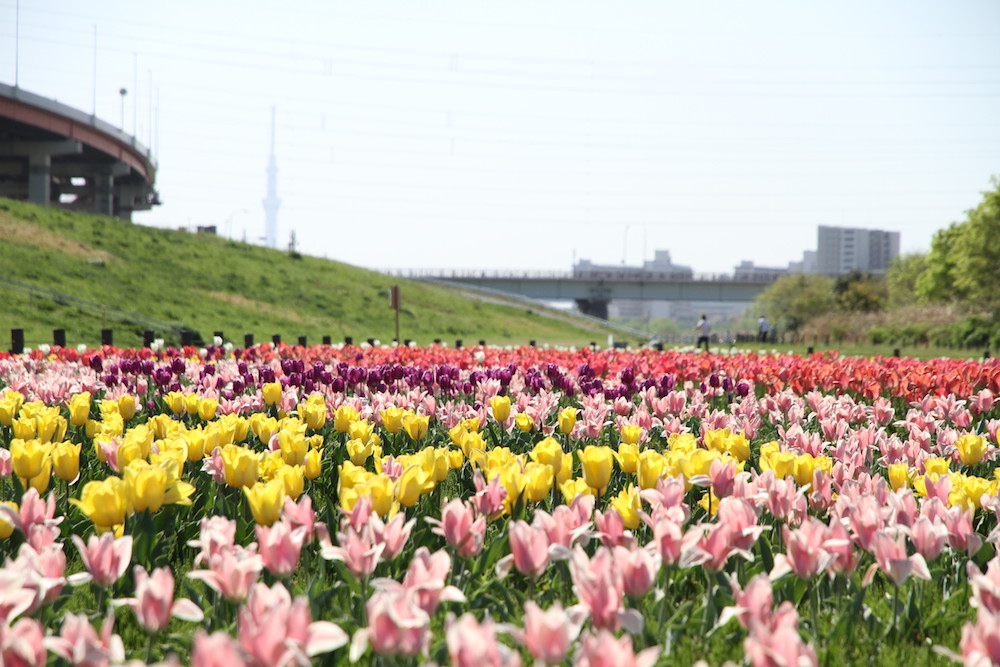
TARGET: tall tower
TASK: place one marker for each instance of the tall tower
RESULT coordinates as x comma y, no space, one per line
272,202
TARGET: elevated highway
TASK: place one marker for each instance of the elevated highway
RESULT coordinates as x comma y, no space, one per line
53,154
593,289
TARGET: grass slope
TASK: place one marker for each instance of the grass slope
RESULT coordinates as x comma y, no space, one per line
208,283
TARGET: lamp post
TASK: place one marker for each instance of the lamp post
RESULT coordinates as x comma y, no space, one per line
229,222
123,92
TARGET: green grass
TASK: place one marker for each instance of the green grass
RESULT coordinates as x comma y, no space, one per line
845,350
208,283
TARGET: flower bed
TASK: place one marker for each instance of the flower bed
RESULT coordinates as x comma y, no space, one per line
276,506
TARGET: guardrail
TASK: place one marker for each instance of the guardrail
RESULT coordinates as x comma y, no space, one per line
173,328
612,275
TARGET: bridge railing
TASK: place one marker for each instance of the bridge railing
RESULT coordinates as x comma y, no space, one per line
624,274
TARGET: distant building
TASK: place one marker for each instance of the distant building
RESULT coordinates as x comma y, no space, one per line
840,250
747,270
807,265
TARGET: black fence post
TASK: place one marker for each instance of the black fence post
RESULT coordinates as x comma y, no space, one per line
458,343
247,340
187,337
348,340
276,339
17,341
59,337
302,341
147,338
327,340
107,337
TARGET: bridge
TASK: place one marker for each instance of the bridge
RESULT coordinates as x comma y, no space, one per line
53,154
593,289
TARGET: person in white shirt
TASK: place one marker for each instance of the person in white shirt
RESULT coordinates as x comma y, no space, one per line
763,328
704,331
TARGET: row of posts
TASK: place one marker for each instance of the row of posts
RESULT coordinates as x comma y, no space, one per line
187,339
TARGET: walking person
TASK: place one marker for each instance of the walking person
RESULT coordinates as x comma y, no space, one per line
763,327
704,331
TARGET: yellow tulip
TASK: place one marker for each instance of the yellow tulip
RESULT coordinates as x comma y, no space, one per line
539,481
803,469
40,482
567,420
128,451
682,442
501,407
28,457
382,490
50,426
207,407
271,393
471,441
471,424
293,477
266,500
241,466
572,488
411,485
66,461
596,463
971,448
175,402
550,452
79,408
415,426
10,405
197,441
314,414
146,486
362,430
25,428
513,479
630,434
710,502
649,468
627,505
935,467
293,445
126,406
628,457
191,403
738,446
456,459
313,464
392,419
7,528
524,422
899,476
351,476
344,416
104,502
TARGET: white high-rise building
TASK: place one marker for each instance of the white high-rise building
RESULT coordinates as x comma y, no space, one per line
840,250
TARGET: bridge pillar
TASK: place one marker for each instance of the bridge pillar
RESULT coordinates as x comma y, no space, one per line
39,154
593,307
103,177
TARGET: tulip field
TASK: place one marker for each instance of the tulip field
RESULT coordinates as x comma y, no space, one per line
410,505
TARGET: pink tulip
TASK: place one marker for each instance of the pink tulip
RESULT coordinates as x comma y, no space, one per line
217,534
739,516
216,650
753,604
598,585
280,547
639,568
79,644
22,644
396,625
890,557
358,517
105,558
392,534
425,580
460,527
154,603
549,634
474,644
356,550
807,550
301,514
611,529
928,537
604,650
568,525
980,643
232,572
529,550
985,587
779,647
41,573
490,497
274,630
6,468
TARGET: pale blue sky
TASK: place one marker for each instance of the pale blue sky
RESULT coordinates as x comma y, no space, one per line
468,134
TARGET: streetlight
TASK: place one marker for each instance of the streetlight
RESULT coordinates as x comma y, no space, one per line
229,221
123,92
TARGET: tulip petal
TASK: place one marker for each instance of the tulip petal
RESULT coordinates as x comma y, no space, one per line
324,637
186,610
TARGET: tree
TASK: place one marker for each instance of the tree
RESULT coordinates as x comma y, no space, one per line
794,299
964,261
901,279
858,292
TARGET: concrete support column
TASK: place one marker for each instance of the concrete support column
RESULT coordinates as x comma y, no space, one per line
39,154
103,178
593,307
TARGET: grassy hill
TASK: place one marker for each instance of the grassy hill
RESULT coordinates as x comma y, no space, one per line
98,266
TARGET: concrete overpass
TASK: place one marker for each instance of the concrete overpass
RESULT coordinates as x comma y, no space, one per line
53,154
593,289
